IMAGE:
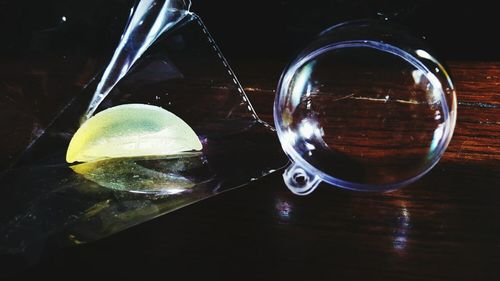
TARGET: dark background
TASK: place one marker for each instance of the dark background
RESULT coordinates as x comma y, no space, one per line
458,30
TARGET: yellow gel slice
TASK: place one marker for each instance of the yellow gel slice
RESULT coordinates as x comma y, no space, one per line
131,130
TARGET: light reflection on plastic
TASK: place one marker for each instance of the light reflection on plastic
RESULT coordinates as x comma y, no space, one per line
136,39
306,129
301,84
309,129
423,54
175,191
438,135
438,88
417,76
310,146
290,137
433,85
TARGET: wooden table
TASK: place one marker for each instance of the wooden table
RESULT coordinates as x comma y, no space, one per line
444,227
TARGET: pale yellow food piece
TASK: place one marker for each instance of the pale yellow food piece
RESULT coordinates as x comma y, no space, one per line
131,130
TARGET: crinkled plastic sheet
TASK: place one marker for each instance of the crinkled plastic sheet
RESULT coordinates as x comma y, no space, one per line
166,57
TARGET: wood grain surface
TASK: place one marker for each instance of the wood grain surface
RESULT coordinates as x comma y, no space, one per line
446,226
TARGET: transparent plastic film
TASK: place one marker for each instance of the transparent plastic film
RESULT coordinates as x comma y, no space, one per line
167,91
149,19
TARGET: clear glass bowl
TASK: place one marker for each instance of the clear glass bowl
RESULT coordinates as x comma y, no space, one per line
364,107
